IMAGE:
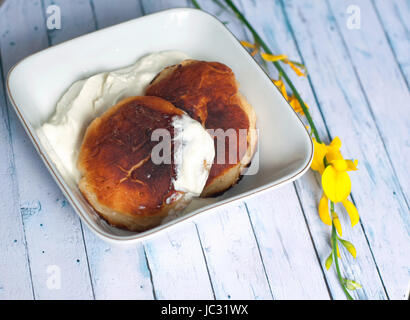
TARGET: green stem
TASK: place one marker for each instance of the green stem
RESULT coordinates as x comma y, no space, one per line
196,4
277,65
335,258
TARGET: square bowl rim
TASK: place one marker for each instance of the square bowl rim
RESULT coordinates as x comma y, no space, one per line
137,237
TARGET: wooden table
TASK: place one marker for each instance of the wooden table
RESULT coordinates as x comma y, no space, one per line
270,246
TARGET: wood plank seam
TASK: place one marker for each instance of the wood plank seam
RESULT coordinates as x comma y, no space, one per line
206,261
150,273
7,107
28,259
390,43
96,27
373,258
88,261
259,249
312,240
141,7
43,12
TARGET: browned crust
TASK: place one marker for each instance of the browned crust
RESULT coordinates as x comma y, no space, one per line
208,92
118,177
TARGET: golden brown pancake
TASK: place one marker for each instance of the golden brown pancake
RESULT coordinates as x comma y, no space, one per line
208,92
119,178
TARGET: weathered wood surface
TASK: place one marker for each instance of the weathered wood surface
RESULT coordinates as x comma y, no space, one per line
273,245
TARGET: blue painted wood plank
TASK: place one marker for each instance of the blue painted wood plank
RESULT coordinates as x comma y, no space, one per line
149,6
118,271
52,230
108,12
15,273
177,265
343,102
232,254
281,230
395,17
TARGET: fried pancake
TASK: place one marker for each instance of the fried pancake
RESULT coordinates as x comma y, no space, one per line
119,178
208,92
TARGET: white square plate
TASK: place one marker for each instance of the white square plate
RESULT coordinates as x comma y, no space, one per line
36,83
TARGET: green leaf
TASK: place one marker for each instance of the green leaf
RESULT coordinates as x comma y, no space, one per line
351,284
349,246
329,261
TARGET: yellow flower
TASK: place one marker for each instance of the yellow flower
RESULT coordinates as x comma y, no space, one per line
324,210
336,143
281,86
273,58
351,211
352,165
320,150
282,57
247,44
294,103
335,180
295,68
336,184
252,46
333,150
